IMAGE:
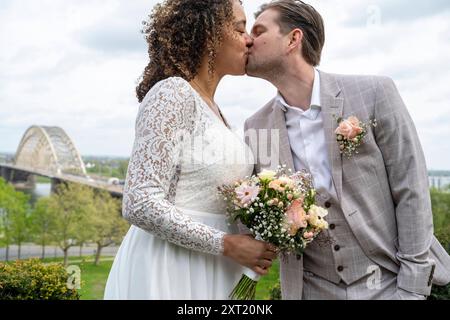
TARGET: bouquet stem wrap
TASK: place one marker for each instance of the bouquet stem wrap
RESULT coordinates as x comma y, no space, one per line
246,287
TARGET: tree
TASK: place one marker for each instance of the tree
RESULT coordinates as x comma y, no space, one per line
5,219
123,168
69,206
42,223
108,225
85,229
14,215
20,219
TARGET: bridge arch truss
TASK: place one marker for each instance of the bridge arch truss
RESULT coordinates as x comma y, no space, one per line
49,149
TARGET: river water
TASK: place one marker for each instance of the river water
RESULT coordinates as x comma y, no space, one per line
40,190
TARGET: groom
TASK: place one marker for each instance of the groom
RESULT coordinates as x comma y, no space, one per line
380,237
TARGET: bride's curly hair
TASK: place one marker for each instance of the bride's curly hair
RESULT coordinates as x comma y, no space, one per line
179,34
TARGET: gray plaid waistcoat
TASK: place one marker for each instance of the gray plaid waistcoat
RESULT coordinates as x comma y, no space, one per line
336,254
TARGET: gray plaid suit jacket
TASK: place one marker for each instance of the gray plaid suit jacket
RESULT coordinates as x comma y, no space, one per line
383,190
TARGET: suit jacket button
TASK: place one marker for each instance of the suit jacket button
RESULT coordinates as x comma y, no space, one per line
340,268
337,248
327,204
332,226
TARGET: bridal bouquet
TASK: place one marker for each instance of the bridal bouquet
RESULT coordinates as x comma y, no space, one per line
277,207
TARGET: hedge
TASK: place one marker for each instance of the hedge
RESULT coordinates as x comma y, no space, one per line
34,280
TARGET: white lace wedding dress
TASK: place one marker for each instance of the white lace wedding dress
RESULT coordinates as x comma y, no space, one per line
182,153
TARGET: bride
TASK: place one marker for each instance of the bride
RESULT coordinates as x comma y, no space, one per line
180,245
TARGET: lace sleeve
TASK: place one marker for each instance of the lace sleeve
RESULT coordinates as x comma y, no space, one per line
167,112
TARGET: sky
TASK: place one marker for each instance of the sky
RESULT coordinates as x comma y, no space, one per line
75,64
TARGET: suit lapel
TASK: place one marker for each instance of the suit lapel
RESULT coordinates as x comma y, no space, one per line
279,123
332,102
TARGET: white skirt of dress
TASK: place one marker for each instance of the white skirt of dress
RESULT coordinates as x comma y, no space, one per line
149,268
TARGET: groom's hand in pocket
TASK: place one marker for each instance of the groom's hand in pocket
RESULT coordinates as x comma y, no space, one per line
254,254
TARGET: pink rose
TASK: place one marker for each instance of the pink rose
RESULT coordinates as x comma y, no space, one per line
349,128
354,121
308,235
277,185
296,217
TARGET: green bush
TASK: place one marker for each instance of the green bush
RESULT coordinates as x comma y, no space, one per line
440,293
440,202
275,292
33,280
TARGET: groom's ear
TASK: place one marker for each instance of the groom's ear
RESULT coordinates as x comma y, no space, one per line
295,39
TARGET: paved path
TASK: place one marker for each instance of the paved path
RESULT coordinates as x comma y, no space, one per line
33,251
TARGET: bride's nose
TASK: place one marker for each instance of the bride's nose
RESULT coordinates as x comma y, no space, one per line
248,40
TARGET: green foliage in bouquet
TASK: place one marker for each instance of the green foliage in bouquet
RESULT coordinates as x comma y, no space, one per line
33,280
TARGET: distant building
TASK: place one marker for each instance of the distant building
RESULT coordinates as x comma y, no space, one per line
6,158
89,165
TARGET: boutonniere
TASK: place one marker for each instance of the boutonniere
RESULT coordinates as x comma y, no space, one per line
350,134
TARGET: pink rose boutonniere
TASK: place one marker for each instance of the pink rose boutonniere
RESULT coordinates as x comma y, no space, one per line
350,134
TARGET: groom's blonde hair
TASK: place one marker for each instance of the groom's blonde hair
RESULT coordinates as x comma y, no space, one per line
298,14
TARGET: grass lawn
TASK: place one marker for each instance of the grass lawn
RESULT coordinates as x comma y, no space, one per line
93,279
267,282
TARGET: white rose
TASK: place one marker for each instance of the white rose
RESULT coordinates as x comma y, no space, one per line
267,175
287,181
317,211
321,224
313,219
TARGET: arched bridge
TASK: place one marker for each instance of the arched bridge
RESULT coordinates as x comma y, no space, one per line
49,152
49,149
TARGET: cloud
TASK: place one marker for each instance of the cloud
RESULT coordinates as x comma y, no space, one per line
75,64
120,31
50,76
366,12
113,39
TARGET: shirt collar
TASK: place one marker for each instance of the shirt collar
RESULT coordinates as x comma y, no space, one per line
315,96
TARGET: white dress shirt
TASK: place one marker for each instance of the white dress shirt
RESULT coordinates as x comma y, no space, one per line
307,140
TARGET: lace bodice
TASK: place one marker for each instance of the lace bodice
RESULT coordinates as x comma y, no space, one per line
181,154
